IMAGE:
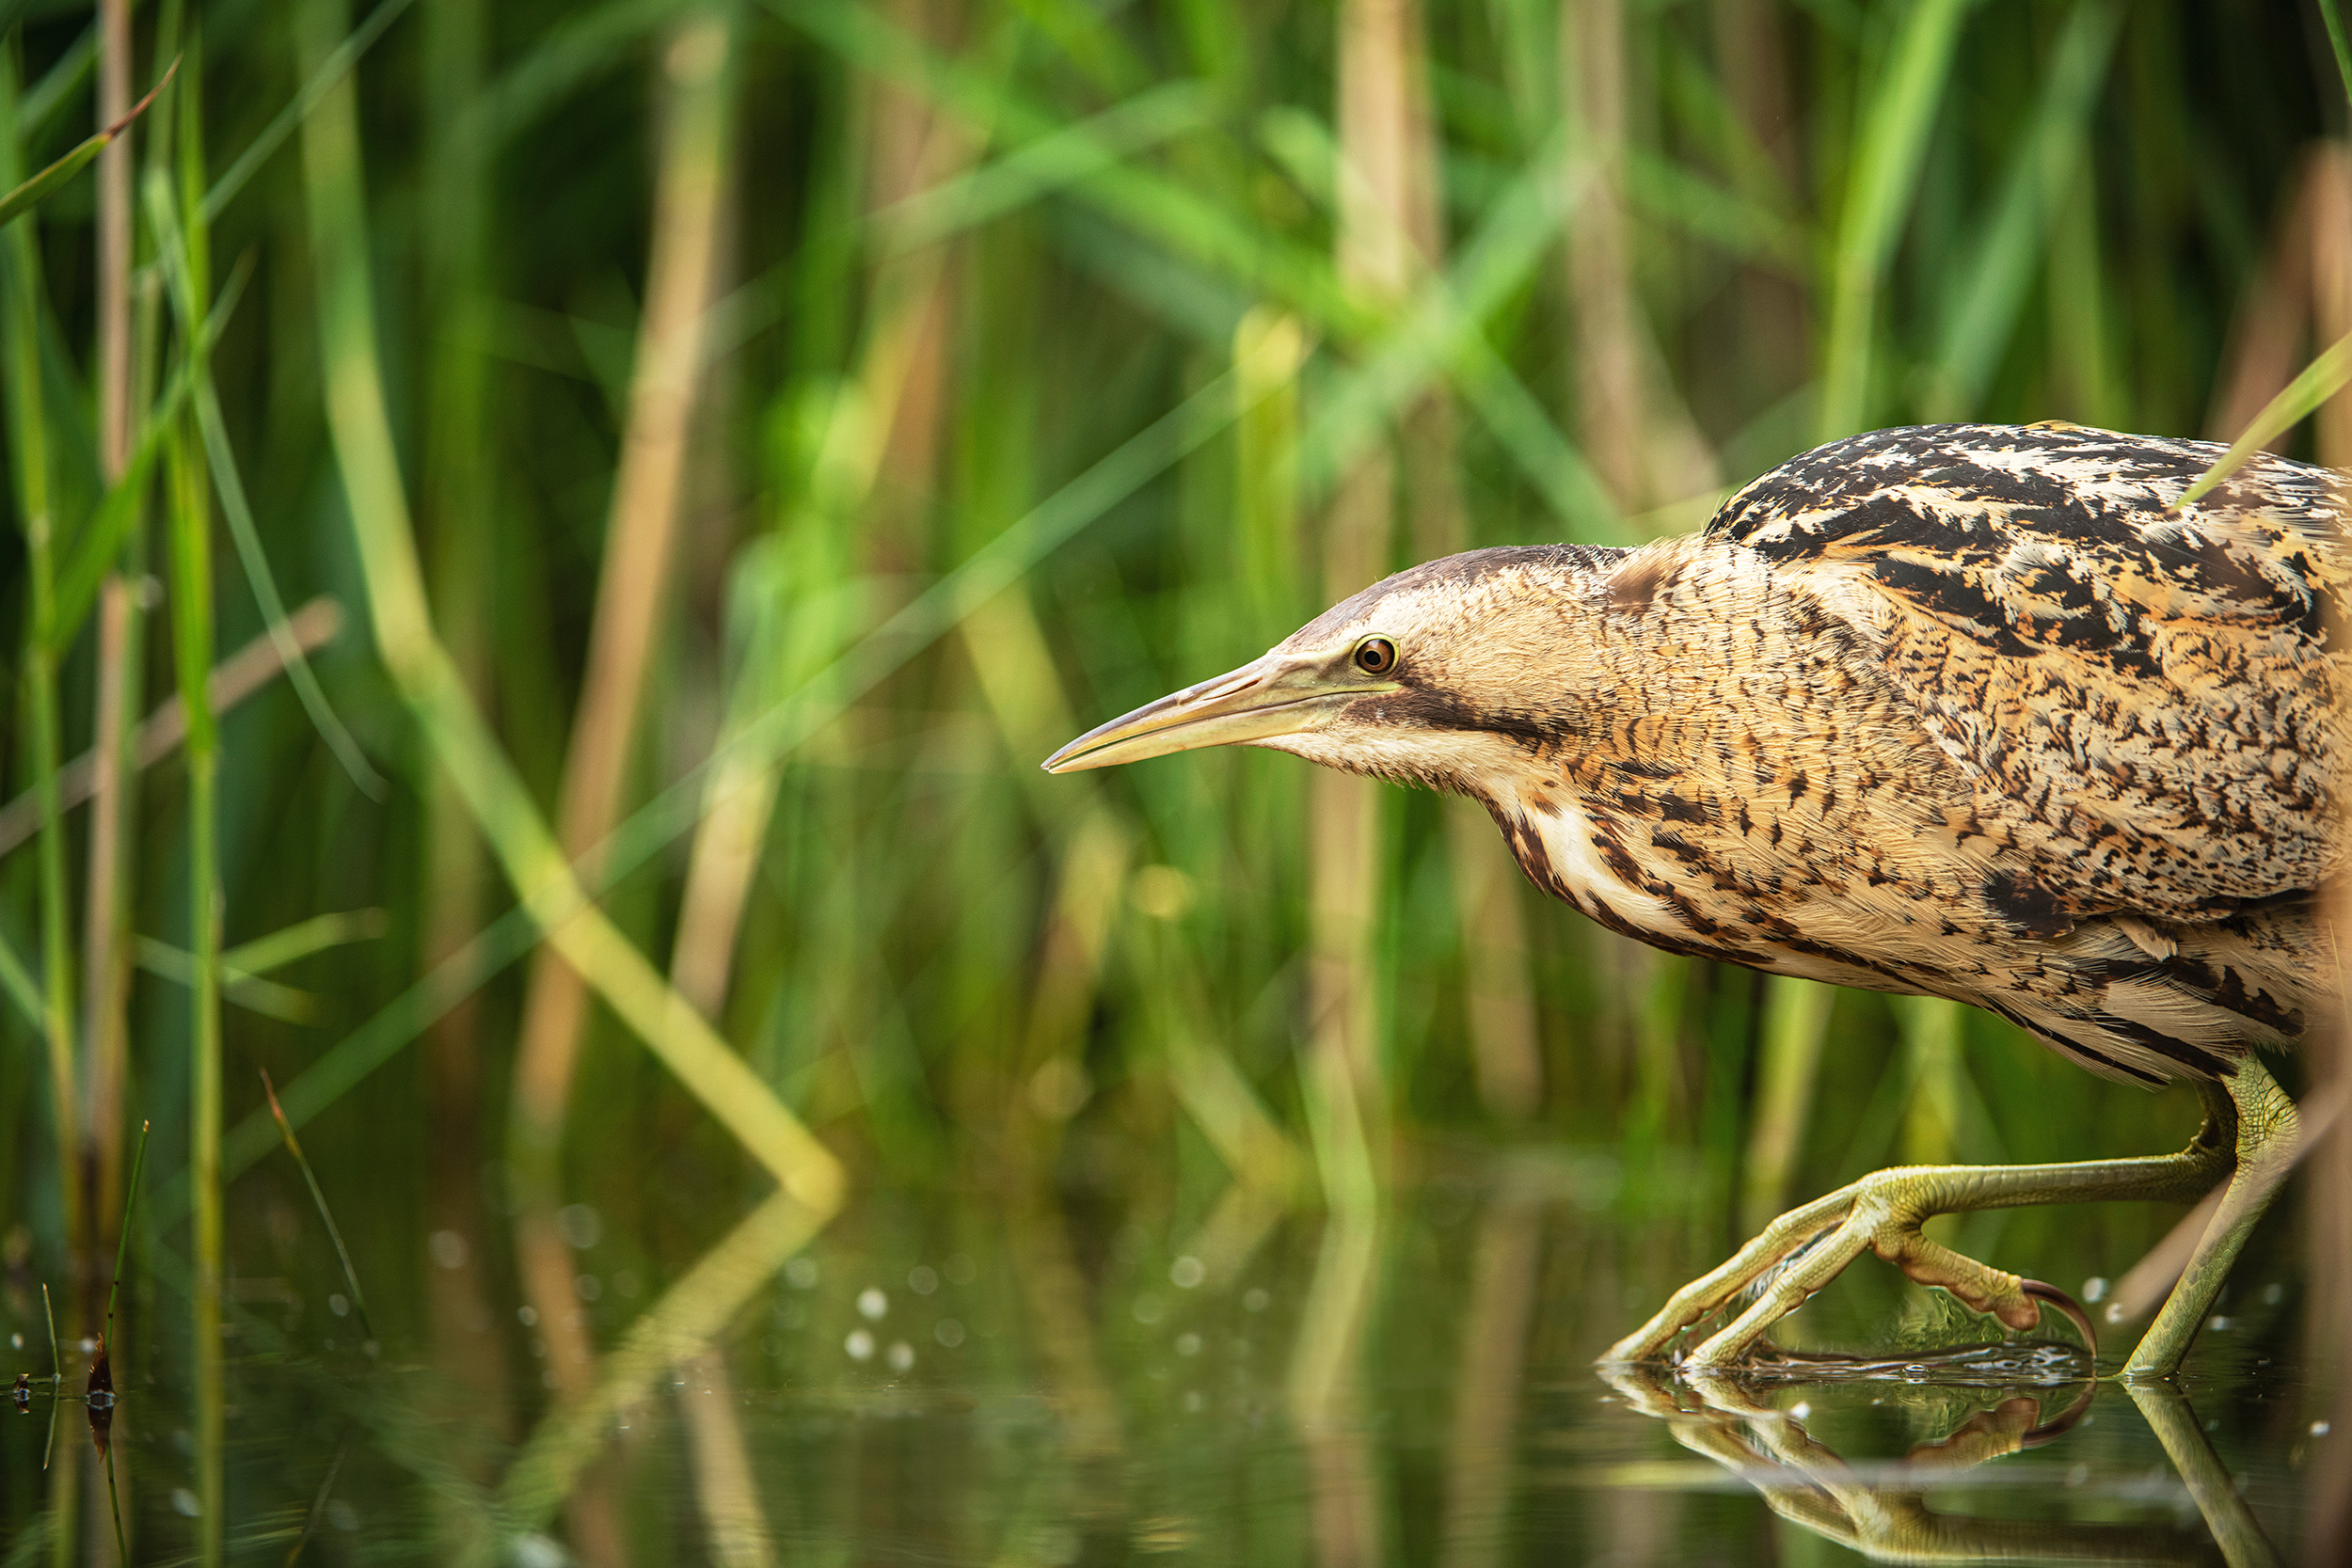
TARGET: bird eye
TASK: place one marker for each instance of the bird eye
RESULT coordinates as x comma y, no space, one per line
1375,656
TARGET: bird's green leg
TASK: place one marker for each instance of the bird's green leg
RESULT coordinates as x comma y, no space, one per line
1883,1213
2266,1146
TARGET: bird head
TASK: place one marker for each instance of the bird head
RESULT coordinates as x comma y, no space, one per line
1447,675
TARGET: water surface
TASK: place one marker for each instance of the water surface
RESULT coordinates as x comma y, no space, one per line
951,1377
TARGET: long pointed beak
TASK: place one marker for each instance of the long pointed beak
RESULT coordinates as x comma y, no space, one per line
1276,695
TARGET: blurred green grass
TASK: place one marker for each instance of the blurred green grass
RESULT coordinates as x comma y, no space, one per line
1033,366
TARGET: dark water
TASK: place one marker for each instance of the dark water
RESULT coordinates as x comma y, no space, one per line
957,1379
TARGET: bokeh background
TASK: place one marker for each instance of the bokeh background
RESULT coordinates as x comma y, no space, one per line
806,413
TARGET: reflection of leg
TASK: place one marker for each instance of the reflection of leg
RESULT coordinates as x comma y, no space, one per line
2267,1147
1883,1214
2241,1540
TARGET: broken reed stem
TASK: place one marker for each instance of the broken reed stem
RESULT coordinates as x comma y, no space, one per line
318,1197
57,1380
445,712
56,1357
130,1207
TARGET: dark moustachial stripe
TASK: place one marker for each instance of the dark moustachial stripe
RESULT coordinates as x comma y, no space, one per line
1432,708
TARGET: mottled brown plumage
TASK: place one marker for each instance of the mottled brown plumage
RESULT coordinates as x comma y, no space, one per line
1974,712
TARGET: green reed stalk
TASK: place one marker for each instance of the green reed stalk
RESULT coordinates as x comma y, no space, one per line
1795,1027
1881,187
2339,43
2320,380
189,515
192,626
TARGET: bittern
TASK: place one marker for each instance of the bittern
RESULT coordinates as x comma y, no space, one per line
1972,711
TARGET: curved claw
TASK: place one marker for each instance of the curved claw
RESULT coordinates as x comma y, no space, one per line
2050,1296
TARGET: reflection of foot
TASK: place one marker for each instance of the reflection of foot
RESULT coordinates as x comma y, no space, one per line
1878,1508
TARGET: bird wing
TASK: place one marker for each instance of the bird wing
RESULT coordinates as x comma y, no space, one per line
2144,698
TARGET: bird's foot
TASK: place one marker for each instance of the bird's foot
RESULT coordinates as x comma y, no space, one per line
1806,1248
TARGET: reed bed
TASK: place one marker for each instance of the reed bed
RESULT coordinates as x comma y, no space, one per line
742,438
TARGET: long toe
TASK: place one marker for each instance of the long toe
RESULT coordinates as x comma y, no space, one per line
1788,1290
1785,1238
1979,1286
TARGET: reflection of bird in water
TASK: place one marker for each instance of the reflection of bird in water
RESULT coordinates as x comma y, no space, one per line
1964,710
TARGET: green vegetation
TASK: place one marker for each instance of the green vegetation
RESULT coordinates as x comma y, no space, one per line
744,439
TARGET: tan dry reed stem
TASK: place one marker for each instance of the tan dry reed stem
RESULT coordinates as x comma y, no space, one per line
1379,47
2318,383
113,241
106,924
1635,429
684,275
2302,292
632,597
649,494
1498,997
2307,285
104,915
1623,422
